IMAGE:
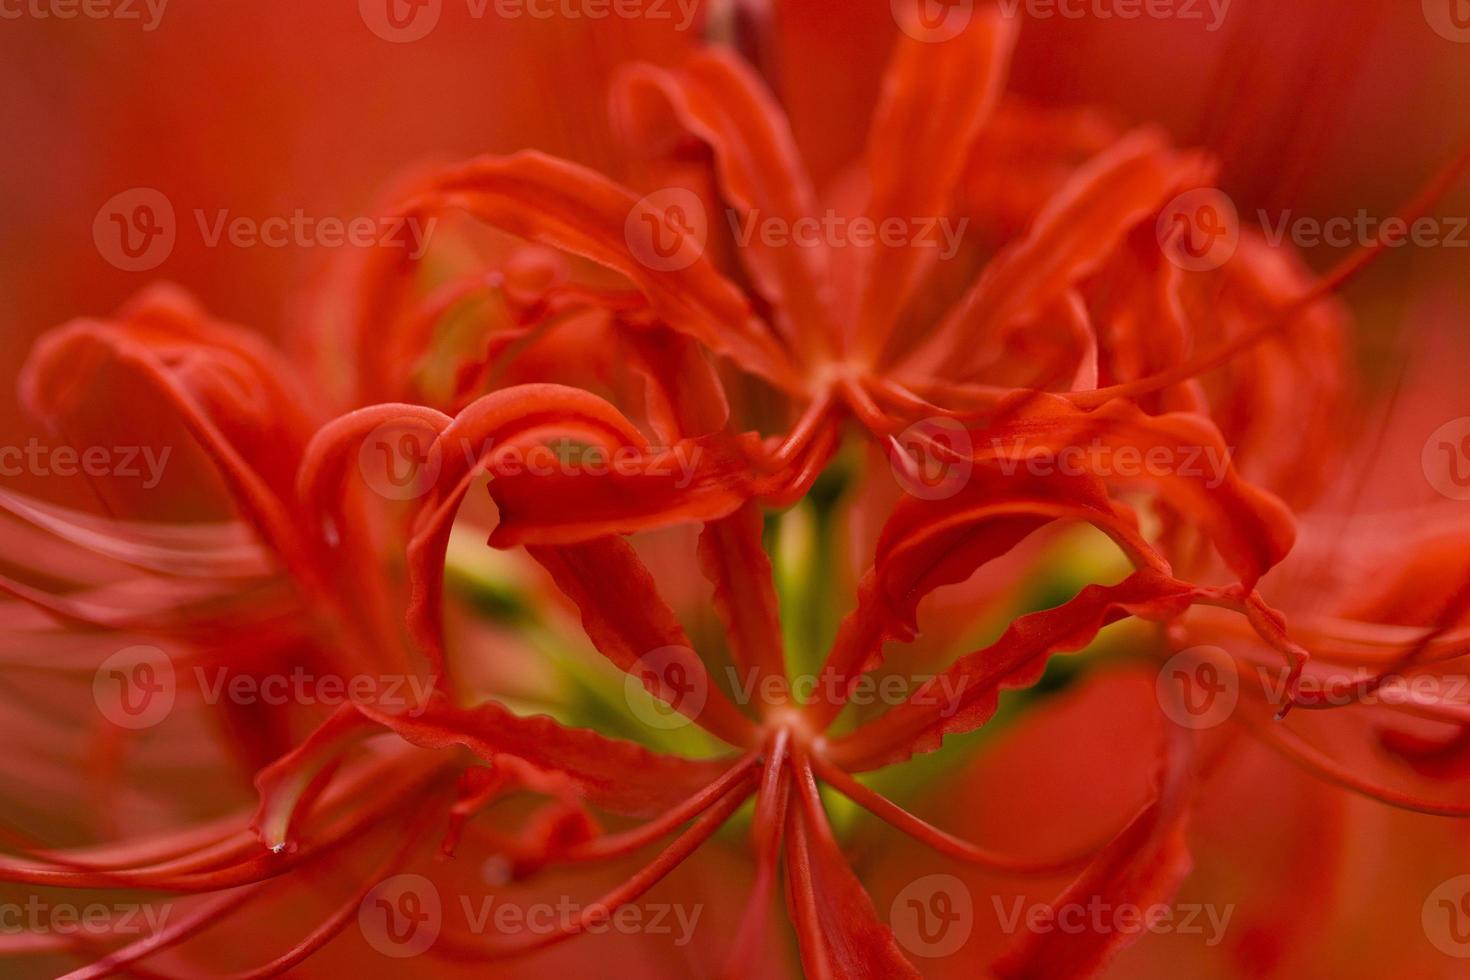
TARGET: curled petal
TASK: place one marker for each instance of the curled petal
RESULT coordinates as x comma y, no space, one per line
928,544
506,416
1182,455
721,100
557,203
233,396
965,695
1071,238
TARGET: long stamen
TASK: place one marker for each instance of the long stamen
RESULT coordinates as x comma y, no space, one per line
806,428
603,908
803,891
945,843
864,407
248,869
1296,749
770,815
616,845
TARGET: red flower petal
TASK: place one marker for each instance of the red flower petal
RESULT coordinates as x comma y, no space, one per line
1076,233
718,98
840,933
487,424
936,97
928,544
1252,529
627,619
1142,867
1015,660
232,395
734,559
561,204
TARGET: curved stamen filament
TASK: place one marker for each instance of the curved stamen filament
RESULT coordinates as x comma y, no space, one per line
770,815
617,845
651,874
945,843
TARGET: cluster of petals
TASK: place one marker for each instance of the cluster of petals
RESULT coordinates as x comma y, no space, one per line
1061,322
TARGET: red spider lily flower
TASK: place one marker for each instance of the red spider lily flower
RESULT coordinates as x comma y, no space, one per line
1059,267
926,544
233,590
281,574
1079,335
